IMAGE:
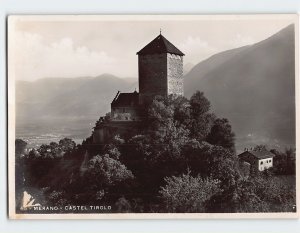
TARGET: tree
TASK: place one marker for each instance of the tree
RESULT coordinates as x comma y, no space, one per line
284,162
67,144
153,157
246,198
186,194
104,171
291,161
164,131
20,146
173,140
200,117
112,149
218,163
260,148
50,151
210,160
275,192
104,181
33,154
182,110
221,134
123,205
57,198
199,104
41,162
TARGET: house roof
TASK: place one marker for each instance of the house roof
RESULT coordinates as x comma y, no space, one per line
126,99
160,45
262,154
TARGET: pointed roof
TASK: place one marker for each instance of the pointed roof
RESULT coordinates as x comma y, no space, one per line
160,45
126,99
261,154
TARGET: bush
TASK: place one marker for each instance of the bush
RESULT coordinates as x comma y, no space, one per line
185,193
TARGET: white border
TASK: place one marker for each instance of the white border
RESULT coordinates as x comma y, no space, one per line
11,116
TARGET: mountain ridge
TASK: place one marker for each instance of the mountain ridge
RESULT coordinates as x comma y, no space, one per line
253,84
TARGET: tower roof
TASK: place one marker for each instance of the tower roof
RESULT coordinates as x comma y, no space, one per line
160,45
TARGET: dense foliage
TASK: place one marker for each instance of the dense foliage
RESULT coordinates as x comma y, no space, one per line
188,194
183,160
285,162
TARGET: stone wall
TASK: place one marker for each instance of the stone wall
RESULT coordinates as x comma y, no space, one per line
105,132
100,135
160,74
125,114
175,74
152,75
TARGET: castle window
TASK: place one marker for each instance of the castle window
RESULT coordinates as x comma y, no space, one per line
123,109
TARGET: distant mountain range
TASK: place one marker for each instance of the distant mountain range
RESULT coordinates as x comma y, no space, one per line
51,108
69,97
252,86
187,68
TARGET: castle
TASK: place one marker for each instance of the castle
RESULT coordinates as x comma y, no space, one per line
160,66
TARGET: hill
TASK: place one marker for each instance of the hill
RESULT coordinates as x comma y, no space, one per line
254,87
53,107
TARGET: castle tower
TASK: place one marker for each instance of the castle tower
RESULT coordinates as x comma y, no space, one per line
160,69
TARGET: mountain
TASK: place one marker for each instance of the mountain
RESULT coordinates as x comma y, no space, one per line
254,87
80,97
65,106
187,67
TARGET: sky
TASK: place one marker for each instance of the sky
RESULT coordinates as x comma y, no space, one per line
69,47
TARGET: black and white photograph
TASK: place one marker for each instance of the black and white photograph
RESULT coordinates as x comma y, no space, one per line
152,116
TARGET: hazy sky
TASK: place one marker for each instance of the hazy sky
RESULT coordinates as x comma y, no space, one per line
73,47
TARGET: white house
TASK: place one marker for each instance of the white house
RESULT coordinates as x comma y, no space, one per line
261,159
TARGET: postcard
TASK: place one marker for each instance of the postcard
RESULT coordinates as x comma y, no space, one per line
152,116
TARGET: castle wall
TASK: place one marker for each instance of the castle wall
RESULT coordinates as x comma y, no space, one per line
100,135
106,132
175,74
124,114
152,75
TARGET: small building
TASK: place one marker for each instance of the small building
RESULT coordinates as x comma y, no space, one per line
260,159
125,107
